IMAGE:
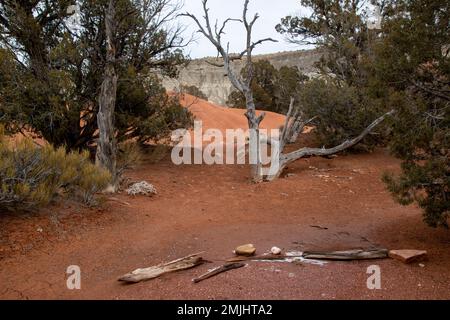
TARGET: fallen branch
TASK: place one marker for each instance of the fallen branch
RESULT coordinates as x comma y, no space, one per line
288,158
345,145
218,270
184,263
263,257
346,255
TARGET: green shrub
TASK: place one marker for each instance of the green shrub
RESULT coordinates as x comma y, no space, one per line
145,111
32,176
130,154
421,139
194,91
272,88
342,112
413,61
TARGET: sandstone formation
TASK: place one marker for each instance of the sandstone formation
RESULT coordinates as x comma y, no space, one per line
212,80
408,256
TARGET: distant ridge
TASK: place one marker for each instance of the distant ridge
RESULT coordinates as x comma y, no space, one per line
216,86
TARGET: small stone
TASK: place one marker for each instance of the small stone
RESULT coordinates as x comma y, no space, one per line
39,229
245,250
275,251
290,175
421,265
408,256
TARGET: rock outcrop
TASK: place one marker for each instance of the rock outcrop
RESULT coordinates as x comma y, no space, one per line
212,80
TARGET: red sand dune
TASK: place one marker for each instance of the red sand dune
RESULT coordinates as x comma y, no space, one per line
222,118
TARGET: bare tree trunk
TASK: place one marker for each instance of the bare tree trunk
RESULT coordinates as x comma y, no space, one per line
107,145
255,141
242,85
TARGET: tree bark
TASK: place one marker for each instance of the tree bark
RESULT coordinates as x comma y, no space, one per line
107,145
255,141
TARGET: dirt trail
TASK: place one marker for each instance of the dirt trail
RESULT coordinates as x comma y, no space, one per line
214,209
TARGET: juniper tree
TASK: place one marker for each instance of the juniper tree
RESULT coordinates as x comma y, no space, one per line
413,65
57,75
271,87
342,101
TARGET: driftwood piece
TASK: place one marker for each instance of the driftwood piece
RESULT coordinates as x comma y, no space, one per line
263,257
218,270
184,263
347,254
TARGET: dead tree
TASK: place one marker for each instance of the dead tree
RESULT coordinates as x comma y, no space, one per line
241,84
294,125
107,146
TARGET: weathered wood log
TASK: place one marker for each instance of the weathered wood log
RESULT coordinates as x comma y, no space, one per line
218,270
153,272
347,254
263,257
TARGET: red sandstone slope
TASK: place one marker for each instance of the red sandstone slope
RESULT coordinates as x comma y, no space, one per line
217,117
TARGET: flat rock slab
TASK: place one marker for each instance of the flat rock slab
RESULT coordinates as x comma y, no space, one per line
245,250
408,256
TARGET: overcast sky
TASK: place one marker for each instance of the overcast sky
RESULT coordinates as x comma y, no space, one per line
270,11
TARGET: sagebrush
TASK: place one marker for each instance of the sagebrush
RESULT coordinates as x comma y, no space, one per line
32,176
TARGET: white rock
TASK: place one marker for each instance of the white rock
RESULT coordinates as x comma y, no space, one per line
143,188
275,250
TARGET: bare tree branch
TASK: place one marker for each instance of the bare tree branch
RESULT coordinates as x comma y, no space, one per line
241,84
285,159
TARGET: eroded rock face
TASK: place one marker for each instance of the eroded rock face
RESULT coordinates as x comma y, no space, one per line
215,84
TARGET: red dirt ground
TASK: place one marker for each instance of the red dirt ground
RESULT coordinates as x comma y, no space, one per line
214,209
